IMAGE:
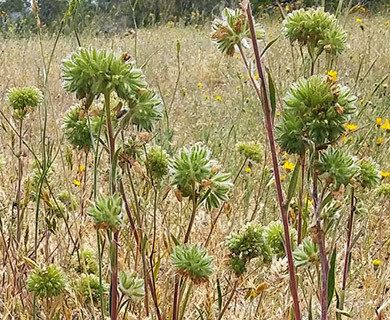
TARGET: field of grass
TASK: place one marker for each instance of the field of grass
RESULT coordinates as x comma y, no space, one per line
207,97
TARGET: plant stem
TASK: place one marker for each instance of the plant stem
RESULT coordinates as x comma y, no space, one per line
300,198
271,140
112,188
228,300
18,192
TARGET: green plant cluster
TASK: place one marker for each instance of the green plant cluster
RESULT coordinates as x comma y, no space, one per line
130,285
46,282
106,212
157,163
24,99
251,150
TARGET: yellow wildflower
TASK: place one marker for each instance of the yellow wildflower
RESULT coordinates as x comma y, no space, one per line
277,113
218,98
359,20
81,168
200,85
385,174
344,138
379,141
289,165
248,170
332,76
256,76
206,96
76,182
379,121
377,262
350,126
237,56
386,125
283,177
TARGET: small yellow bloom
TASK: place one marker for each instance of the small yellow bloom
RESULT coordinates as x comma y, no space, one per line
289,165
386,125
379,141
88,16
238,87
287,8
385,174
256,76
248,170
277,113
200,85
218,98
283,177
359,20
237,56
332,76
379,121
350,126
377,263
309,202
344,138
82,168
206,96
77,183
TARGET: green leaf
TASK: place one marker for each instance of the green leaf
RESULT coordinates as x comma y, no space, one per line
219,291
176,242
269,45
331,281
272,94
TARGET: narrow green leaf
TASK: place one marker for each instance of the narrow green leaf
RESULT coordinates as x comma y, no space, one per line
176,242
331,281
293,184
272,94
269,45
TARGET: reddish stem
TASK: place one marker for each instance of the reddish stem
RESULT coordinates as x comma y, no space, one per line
270,134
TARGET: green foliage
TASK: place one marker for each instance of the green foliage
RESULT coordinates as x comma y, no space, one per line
88,286
384,189
76,128
274,238
316,29
89,72
238,265
337,167
130,285
369,175
315,113
145,109
24,99
106,212
249,243
251,150
195,174
87,261
192,262
157,162
233,30
306,253
46,282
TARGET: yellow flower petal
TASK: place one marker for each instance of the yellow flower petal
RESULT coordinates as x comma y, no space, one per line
289,165
332,76
77,183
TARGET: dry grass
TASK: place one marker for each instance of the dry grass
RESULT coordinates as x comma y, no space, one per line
196,114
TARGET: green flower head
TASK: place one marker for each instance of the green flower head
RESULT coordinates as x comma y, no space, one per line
192,262
89,72
251,150
233,30
337,167
237,265
130,285
76,128
384,190
46,282
274,238
315,113
88,286
369,175
306,253
249,243
23,99
157,162
316,29
106,212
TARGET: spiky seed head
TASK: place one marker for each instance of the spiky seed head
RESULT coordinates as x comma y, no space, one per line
232,30
23,99
76,128
251,150
192,262
316,29
89,72
312,114
369,174
157,162
88,285
130,285
275,239
46,282
306,253
106,212
249,243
